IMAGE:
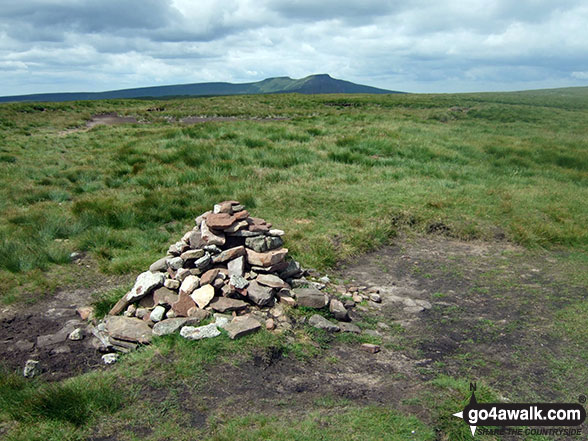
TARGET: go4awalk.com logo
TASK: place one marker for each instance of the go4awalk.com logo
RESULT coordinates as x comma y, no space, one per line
562,418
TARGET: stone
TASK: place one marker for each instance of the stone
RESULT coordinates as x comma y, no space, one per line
310,298
203,295
76,335
147,302
224,304
368,347
272,281
189,284
182,274
277,268
241,326
256,243
241,215
350,327
164,296
349,303
236,266
109,358
142,312
197,314
212,237
128,329
192,254
201,218
218,283
219,221
130,312
292,270
212,249
258,294
169,326
270,324
338,310
376,298
318,321
325,279
266,259
238,225
287,300
31,369
223,207
272,242
203,262
157,314
193,333
145,283
59,337
230,254
357,298
196,240
238,282
175,263
120,306
86,312
244,233
24,345
209,276
159,265
276,232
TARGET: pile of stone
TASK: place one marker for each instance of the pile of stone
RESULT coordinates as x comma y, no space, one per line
232,268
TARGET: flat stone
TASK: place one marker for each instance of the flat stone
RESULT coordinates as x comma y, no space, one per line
181,274
368,347
209,276
31,369
196,315
159,265
196,240
338,310
238,225
277,268
211,237
230,254
58,337
272,281
224,304
259,294
189,284
287,300
376,298
292,270
318,321
169,326
236,266
157,314
193,333
350,327
266,259
219,221
192,254
256,243
164,296
147,301
276,232
86,312
223,207
128,328
146,282
241,215
241,326
259,228
183,304
204,262
238,282
310,297
203,295
76,335
244,233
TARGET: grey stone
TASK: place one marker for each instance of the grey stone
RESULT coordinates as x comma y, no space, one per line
230,254
350,327
192,254
245,233
211,237
318,321
129,329
24,345
376,298
182,274
338,310
238,282
175,263
192,333
109,358
159,265
212,249
310,297
273,242
145,283
242,325
224,304
260,295
204,261
169,326
272,281
292,270
256,243
157,314
236,266
276,232
76,335
31,369
325,279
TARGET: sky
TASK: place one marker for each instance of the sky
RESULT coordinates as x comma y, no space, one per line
412,46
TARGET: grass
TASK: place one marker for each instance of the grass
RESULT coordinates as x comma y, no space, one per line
511,163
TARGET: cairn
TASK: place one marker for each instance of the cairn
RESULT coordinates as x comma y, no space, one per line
231,265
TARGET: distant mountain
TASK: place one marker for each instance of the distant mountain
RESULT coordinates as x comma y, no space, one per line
312,84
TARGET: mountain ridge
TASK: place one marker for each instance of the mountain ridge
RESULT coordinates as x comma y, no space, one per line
312,84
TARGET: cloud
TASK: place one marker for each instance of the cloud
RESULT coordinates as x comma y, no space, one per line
423,45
